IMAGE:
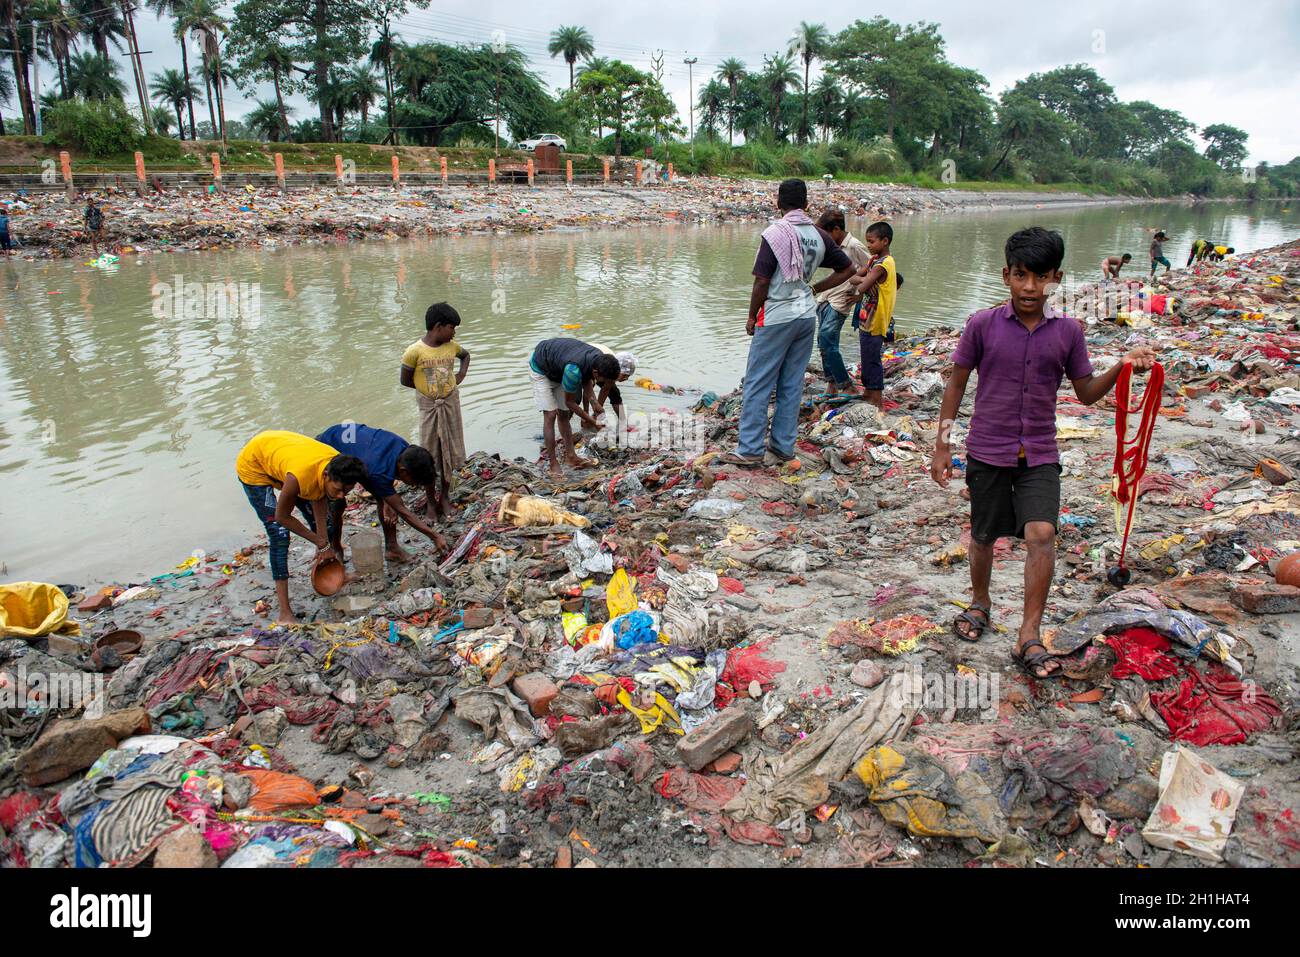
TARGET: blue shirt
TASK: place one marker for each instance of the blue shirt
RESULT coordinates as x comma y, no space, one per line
379,450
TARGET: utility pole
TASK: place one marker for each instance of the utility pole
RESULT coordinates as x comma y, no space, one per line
36,80
690,73
498,48
137,66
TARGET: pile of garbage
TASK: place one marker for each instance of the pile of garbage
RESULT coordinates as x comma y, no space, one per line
664,661
45,226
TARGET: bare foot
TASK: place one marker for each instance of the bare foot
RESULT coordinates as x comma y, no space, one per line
397,554
557,473
579,463
286,618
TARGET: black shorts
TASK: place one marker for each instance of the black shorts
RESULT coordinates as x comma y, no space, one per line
1004,499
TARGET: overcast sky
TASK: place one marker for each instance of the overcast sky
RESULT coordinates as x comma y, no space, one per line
1214,62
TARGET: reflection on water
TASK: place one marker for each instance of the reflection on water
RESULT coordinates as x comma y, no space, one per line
118,430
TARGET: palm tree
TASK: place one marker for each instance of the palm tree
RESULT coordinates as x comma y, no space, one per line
810,41
94,77
572,42
267,121
778,76
16,50
101,20
381,54
175,9
174,89
826,99
58,30
731,71
361,89
6,94
713,105
277,60
415,65
202,20
162,121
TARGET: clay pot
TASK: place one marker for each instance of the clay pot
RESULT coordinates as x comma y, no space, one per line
1287,571
124,642
328,577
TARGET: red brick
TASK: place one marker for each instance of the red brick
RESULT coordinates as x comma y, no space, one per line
725,764
714,738
537,690
478,617
678,561
564,857
93,603
1268,599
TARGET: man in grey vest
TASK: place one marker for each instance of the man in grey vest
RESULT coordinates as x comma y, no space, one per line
783,323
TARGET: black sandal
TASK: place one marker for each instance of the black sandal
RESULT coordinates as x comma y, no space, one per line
741,461
779,457
1029,662
977,626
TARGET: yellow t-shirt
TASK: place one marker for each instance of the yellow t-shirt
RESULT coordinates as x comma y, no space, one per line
1221,250
434,367
887,291
270,456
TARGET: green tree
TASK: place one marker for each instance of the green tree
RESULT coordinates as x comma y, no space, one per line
267,120
810,42
1024,122
95,77
615,93
176,11
893,65
175,90
1225,145
101,21
58,30
731,71
361,90
162,121
827,104
1081,96
712,105
777,77
571,43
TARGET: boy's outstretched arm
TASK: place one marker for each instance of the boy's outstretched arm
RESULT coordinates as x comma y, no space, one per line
408,377
836,279
395,502
941,464
285,503
1096,387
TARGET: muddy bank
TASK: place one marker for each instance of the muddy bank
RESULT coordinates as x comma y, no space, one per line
456,712
47,227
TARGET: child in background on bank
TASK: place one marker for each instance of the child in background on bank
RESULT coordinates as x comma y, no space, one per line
1111,265
1158,252
836,306
1022,351
304,471
877,284
427,367
388,458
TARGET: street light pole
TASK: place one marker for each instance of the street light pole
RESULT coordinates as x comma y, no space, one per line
690,73
498,48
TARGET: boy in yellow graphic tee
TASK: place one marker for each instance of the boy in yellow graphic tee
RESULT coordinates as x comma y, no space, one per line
427,367
877,283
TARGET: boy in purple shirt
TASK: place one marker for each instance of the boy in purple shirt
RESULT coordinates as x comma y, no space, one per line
1022,352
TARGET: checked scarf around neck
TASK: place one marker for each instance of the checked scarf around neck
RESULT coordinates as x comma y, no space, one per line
784,240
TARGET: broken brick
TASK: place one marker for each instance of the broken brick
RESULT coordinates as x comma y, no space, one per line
478,618
1268,599
714,737
537,690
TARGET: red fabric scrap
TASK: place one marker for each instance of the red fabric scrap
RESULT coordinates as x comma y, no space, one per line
699,792
752,832
1142,652
745,665
1215,707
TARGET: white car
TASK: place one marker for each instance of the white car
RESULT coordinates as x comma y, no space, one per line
529,146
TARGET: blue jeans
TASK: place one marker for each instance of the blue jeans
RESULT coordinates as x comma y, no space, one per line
829,323
778,359
262,498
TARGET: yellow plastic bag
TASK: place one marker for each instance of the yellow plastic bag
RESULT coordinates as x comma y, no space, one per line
33,609
620,598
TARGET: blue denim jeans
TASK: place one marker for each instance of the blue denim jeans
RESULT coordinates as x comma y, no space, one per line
778,359
829,323
262,498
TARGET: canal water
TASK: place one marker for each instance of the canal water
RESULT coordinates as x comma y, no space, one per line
121,415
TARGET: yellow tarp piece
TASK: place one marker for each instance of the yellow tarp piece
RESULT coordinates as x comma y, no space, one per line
912,790
620,598
33,609
661,714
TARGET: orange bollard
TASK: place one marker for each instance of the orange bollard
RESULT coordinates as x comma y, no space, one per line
670,172
568,171
139,173
338,171
442,162
492,171
530,172
606,172
638,172
397,177
216,171
65,161
279,170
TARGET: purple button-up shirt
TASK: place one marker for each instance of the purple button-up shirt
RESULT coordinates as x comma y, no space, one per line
1019,374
